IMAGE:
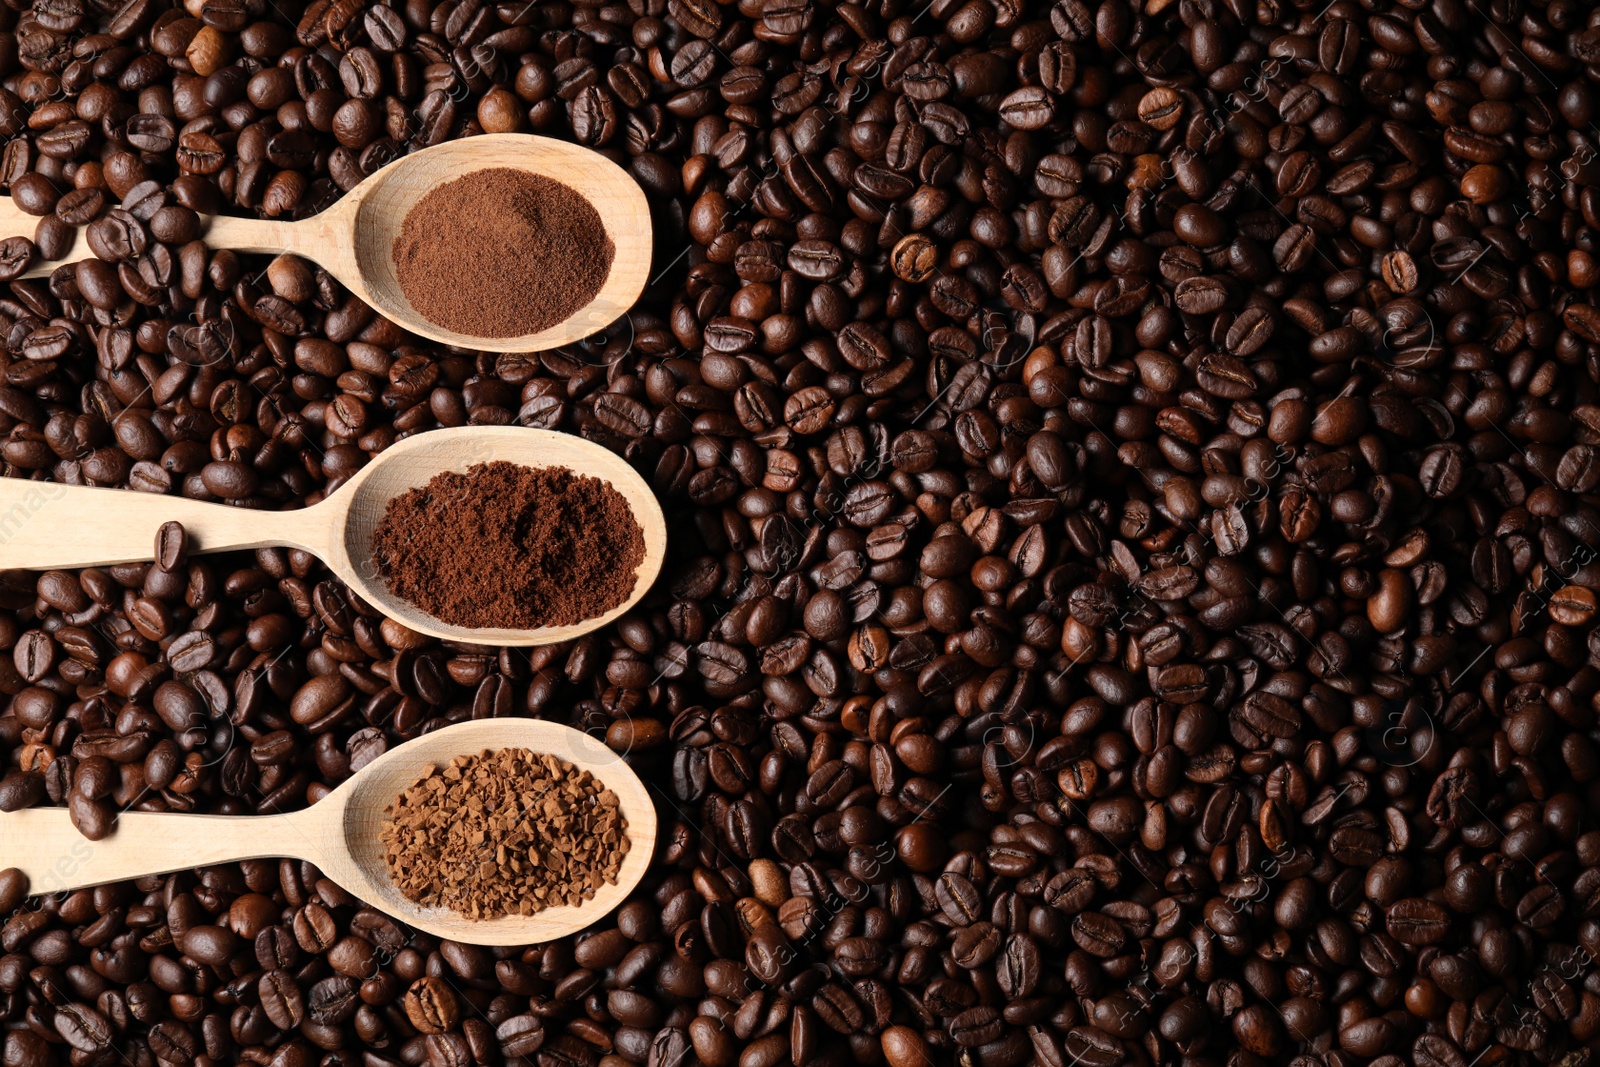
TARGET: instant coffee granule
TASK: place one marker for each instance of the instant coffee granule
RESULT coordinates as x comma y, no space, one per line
507,832
501,253
508,546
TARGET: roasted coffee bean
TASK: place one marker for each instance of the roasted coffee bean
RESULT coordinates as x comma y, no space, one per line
1098,934
431,1006
13,888
1417,922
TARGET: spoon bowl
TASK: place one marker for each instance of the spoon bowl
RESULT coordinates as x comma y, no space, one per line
46,525
380,205
414,461
354,238
340,834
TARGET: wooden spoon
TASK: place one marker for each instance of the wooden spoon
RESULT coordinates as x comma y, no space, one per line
46,525
340,834
353,238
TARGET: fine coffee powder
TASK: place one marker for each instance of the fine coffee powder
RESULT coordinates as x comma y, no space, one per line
501,253
510,832
508,546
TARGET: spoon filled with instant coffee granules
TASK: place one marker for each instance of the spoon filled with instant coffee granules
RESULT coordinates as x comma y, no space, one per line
502,242
491,535
489,832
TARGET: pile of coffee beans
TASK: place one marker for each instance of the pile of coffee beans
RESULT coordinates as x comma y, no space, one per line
1131,596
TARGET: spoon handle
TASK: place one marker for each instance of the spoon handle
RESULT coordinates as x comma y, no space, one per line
310,237
314,237
44,845
44,525
14,222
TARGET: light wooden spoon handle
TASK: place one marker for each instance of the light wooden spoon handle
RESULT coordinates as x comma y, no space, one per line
44,845
323,237
14,222
44,525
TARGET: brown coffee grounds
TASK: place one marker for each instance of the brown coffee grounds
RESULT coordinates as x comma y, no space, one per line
509,546
501,253
510,832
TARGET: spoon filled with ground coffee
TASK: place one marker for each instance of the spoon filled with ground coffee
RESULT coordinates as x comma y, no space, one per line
493,535
489,832
503,242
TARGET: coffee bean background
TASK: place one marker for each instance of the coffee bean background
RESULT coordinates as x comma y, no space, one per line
1133,479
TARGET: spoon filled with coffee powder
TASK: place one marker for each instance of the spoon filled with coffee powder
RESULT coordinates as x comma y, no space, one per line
489,832
492,535
503,242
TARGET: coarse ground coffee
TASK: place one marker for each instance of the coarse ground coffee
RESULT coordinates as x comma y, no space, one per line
508,546
510,832
501,253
